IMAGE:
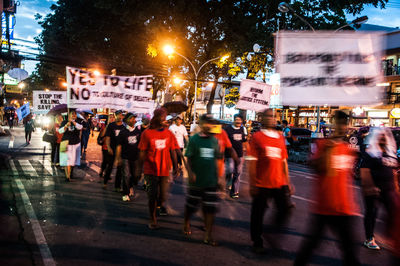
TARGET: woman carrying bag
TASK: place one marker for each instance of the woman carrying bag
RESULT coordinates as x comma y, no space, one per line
70,145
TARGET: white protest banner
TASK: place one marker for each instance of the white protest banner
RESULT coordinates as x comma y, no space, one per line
86,90
254,95
319,68
43,101
23,111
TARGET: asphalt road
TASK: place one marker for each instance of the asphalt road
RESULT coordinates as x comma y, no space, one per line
79,223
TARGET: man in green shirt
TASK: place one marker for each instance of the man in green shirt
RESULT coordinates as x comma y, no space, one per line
202,154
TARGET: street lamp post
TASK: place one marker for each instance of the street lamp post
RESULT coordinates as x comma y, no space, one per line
169,50
285,7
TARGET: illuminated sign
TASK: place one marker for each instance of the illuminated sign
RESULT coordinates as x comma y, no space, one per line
11,20
395,112
311,114
9,80
378,114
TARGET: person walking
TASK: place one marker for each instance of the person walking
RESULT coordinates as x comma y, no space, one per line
237,134
287,133
104,150
112,132
268,173
378,172
181,135
70,146
157,154
202,153
87,127
127,154
29,128
334,203
55,146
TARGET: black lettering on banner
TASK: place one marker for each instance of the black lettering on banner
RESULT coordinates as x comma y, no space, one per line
126,83
256,90
85,94
254,95
246,99
259,101
92,78
327,81
128,96
81,77
114,81
74,93
149,85
73,75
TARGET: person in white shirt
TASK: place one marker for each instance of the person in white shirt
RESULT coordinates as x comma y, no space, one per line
181,135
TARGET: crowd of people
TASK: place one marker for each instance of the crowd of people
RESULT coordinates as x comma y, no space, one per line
160,150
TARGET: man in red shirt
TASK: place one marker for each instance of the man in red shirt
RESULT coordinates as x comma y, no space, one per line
268,172
157,155
335,206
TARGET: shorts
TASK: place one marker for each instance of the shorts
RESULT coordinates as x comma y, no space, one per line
208,197
72,156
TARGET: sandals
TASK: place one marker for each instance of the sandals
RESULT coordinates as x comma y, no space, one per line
187,231
210,242
152,226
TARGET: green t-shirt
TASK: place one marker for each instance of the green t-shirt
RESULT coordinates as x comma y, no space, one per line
203,152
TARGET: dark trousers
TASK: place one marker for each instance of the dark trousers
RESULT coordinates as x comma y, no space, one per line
157,190
85,140
104,161
28,135
55,152
129,175
342,226
387,197
110,164
258,207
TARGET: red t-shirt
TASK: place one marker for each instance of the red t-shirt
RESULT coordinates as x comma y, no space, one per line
270,153
157,145
333,191
223,143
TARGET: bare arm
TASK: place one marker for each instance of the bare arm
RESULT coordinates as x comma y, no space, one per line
118,155
108,143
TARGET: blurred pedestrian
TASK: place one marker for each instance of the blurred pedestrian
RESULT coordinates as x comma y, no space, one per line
87,127
127,155
157,155
237,134
268,173
335,206
378,172
70,146
29,128
287,133
55,146
202,153
112,132
106,157
181,135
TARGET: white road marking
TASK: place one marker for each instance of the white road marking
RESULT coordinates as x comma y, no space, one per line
11,143
37,230
47,165
95,168
28,168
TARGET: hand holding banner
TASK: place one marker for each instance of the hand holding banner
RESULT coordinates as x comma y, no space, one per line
254,95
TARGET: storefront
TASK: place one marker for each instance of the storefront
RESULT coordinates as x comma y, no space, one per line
379,118
395,117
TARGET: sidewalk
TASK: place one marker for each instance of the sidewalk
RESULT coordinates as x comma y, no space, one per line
14,250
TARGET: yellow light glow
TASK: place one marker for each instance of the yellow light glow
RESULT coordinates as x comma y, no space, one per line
46,89
64,84
96,73
168,49
21,85
177,80
224,58
383,84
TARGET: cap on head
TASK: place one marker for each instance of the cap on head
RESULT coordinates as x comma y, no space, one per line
118,112
207,118
169,117
129,115
179,117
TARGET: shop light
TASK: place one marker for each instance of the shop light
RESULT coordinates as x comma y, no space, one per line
383,84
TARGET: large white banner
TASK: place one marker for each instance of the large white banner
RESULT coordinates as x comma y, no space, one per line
319,68
87,90
254,95
43,101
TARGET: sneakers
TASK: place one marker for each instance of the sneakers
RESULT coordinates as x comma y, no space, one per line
235,196
371,244
125,198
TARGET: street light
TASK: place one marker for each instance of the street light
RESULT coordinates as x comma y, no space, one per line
177,80
285,7
64,84
96,73
357,21
169,50
21,85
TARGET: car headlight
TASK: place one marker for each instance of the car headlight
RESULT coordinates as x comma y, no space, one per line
46,121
